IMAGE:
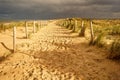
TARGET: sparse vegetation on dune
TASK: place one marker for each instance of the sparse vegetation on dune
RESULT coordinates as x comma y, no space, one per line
115,49
5,26
105,31
9,25
111,37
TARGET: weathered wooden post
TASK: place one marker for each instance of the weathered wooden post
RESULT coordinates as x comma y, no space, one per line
14,39
39,25
4,27
26,29
43,23
91,32
75,24
70,22
82,32
46,23
82,24
65,23
34,27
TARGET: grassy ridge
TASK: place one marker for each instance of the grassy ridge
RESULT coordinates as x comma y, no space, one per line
9,25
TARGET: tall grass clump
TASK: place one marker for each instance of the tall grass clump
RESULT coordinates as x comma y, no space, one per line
1,27
115,30
115,50
99,40
4,27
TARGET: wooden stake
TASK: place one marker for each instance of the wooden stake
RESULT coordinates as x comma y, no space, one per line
65,23
75,23
4,27
82,32
26,29
46,23
34,27
39,25
82,24
74,26
92,33
14,39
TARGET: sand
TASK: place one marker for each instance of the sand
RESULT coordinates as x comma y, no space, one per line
54,53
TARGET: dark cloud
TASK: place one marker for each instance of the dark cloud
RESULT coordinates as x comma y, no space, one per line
105,2
45,9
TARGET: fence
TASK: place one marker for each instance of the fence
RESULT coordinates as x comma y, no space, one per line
103,33
35,24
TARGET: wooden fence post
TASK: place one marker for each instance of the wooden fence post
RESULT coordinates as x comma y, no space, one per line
82,32
46,23
39,25
74,26
92,33
75,23
14,39
4,27
34,27
65,23
42,24
26,29
82,24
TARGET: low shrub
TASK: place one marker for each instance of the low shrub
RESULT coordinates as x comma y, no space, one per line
115,50
99,40
29,35
115,30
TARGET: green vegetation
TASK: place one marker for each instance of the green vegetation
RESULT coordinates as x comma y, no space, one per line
115,30
4,27
115,49
29,35
6,54
105,31
73,24
99,41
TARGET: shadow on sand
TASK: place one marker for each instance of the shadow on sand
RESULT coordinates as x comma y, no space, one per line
2,58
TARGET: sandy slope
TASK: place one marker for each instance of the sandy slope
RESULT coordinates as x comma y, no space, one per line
55,54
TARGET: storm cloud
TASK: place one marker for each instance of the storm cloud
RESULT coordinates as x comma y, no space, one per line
50,9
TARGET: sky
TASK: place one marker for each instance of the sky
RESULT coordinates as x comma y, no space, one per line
52,9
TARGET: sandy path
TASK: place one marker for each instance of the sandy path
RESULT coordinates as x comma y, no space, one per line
55,54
